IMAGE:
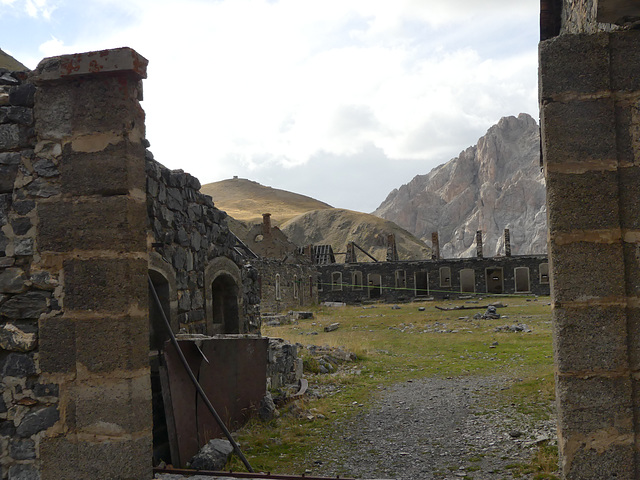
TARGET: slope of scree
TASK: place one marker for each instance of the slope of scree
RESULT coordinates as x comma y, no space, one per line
491,186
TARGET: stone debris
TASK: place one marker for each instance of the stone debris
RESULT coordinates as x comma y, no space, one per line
15,340
519,327
332,327
213,456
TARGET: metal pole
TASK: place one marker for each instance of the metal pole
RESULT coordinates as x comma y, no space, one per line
195,382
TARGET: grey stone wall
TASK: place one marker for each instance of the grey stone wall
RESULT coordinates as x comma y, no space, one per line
189,233
400,280
295,290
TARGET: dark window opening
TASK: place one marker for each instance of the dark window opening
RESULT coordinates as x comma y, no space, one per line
224,296
495,280
422,283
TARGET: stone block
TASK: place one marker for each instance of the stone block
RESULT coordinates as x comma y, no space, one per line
111,223
632,268
13,137
8,175
624,47
107,285
629,201
584,270
590,339
587,201
53,112
592,404
114,407
625,114
29,305
26,471
633,328
122,460
579,131
20,365
22,449
107,344
12,280
574,64
113,171
38,420
59,459
615,461
57,342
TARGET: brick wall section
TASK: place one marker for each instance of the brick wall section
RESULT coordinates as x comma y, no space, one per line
590,119
90,237
189,232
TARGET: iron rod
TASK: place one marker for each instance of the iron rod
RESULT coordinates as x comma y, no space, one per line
260,475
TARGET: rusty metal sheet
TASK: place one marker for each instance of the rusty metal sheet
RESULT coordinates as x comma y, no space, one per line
234,381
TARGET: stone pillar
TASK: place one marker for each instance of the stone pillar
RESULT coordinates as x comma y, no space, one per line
435,246
479,244
590,119
351,253
266,224
90,125
392,251
507,243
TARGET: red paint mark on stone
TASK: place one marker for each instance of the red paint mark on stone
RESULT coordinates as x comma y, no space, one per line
104,53
69,66
94,67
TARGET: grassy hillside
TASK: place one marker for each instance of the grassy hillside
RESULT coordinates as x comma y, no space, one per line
246,201
10,63
337,227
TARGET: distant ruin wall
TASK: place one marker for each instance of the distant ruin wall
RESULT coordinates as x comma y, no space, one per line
286,286
189,233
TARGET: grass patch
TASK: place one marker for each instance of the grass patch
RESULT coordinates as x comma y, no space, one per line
398,345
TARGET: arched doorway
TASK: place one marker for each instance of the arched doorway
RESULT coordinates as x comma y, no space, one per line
224,303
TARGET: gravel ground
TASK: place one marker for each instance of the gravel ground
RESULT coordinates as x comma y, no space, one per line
433,428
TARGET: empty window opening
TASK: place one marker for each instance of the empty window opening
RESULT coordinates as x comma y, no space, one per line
467,280
401,279
319,283
495,280
277,286
356,280
544,273
311,287
295,286
521,275
422,283
336,281
224,296
374,280
445,276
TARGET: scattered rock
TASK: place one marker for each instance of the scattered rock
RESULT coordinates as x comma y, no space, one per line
267,410
15,340
213,456
332,327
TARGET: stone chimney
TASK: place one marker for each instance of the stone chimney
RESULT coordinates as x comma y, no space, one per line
435,246
266,224
479,244
351,253
507,243
392,251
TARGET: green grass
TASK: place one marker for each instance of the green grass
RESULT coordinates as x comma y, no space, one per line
400,345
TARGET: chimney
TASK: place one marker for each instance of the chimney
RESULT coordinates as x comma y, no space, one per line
392,251
266,224
479,243
435,246
507,243
351,253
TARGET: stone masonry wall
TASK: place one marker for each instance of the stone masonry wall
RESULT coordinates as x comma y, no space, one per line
189,233
590,120
289,296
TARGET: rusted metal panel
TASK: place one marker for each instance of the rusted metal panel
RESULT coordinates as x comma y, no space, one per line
234,380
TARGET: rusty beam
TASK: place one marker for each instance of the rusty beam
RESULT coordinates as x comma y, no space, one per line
267,476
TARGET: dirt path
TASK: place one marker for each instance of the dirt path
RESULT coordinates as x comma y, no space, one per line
435,429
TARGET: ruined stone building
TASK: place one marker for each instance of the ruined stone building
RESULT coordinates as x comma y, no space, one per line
86,215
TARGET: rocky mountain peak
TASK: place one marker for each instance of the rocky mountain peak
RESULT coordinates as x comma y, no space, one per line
493,185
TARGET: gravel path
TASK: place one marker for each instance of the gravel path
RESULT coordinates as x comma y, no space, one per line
436,429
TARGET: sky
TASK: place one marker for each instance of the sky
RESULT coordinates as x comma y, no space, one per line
341,100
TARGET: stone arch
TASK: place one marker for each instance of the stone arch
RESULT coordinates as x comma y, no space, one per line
223,294
164,280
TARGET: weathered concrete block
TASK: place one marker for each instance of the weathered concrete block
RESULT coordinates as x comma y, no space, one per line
614,461
624,47
629,201
57,345
590,338
584,270
53,112
574,63
113,223
23,472
578,131
108,285
107,344
587,201
632,268
633,328
119,169
593,404
114,407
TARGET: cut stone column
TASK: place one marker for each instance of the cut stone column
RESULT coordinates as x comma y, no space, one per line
351,253
507,243
435,246
392,251
589,97
94,231
266,224
479,253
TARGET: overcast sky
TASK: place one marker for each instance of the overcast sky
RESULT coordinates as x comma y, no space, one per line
341,100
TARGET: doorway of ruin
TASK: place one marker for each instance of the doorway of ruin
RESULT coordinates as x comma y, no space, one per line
495,280
467,280
421,282
521,276
374,280
224,303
